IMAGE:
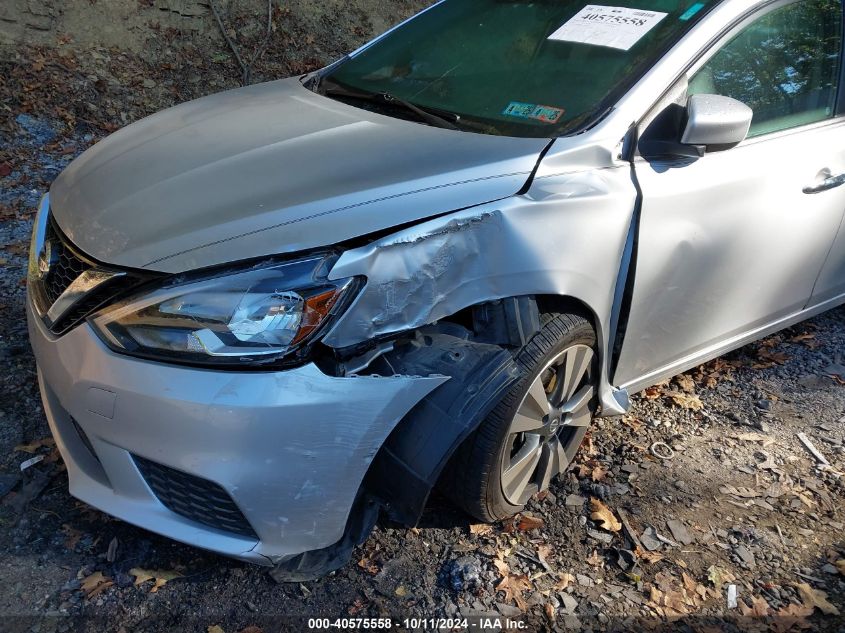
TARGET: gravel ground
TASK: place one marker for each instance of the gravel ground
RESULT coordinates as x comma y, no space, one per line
628,539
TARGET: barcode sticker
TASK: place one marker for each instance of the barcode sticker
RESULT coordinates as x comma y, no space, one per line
614,27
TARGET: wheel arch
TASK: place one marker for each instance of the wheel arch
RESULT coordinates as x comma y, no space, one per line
410,462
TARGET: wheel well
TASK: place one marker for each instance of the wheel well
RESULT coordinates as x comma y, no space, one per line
495,321
563,304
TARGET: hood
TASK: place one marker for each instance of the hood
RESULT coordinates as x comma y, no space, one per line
270,169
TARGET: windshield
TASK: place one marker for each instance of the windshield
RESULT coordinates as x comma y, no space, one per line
535,69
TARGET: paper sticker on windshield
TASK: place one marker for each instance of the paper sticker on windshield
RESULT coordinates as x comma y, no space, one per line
546,114
614,27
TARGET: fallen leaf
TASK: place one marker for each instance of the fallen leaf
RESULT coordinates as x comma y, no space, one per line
356,607
502,566
759,608
513,586
543,552
599,474
790,617
215,628
20,248
778,358
744,493
604,515
649,557
840,565
550,611
652,393
368,565
671,602
527,522
401,591
33,447
815,598
73,536
685,382
632,422
719,576
480,529
808,339
584,470
159,576
594,559
751,437
95,584
685,400
564,581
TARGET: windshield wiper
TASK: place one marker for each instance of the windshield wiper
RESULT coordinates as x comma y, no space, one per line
437,120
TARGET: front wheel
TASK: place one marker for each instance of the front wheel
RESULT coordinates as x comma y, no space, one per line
533,434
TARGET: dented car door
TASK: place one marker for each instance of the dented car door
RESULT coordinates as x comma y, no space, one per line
733,241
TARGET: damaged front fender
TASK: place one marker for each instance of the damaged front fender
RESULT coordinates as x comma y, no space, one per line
565,237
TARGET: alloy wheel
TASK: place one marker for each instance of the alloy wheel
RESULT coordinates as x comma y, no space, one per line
549,424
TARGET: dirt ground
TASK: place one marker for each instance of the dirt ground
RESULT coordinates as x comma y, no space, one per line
703,490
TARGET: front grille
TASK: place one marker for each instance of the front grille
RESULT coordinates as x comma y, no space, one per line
194,498
65,265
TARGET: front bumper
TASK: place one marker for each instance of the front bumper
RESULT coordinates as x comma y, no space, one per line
290,448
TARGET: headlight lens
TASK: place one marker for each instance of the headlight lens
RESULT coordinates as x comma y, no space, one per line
255,315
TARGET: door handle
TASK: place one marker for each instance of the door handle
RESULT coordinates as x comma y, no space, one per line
827,182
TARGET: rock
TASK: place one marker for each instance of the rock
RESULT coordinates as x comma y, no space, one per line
575,501
835,369
745,556
464,573
680,532
123,580
762,426
602,537
508,610
584,581
649,539
7,482
830,569
764,404
569,604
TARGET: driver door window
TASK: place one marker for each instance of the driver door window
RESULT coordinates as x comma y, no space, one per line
784,66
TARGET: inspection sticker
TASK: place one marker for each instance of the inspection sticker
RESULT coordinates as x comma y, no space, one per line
614,27
698,6
546,114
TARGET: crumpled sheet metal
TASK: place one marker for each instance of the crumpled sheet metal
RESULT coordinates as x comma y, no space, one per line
565,237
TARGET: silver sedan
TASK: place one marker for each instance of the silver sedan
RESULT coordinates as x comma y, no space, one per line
264,317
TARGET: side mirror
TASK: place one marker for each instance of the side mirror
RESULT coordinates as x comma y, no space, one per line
715,122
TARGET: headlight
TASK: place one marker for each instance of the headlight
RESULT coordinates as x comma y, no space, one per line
255,315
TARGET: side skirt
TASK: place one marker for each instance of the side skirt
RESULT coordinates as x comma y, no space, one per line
735,342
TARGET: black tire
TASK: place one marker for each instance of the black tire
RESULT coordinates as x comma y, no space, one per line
473,479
